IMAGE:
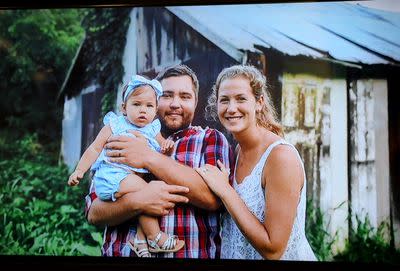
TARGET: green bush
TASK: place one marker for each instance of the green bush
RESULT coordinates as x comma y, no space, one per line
40,214
364,244
367,244
320,240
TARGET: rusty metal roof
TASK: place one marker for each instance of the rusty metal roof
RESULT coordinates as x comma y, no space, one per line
335,31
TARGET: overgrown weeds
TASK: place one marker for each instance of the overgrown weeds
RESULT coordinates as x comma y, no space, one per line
364,243
40,214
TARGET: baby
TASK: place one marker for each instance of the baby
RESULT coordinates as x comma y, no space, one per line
113,180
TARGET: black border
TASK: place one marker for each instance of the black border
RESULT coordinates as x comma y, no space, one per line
73,263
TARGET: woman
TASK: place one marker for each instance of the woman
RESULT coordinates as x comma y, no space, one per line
266,203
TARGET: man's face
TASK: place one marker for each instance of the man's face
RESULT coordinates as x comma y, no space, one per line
177,104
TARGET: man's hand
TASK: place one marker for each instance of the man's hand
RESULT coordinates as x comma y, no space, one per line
127,150
158,198
155,199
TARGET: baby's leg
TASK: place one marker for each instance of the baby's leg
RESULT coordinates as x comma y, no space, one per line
148,225
158,241
131,183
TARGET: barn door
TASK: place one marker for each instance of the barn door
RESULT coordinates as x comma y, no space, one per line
369,150
314,116
306,121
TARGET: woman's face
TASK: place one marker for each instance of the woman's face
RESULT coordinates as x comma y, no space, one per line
237,105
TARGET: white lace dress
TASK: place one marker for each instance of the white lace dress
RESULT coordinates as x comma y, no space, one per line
235,246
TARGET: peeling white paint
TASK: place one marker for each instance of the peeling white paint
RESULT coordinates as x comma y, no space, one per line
370,159
71,131
323,136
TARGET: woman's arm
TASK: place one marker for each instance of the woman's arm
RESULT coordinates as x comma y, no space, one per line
282,196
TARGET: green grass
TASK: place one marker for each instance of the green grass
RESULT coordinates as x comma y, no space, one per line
319,238
369,244
364,244
40,214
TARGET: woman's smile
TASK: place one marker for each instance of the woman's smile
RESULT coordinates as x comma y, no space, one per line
234,118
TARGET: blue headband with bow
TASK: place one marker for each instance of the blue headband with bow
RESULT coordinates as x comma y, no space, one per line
138,81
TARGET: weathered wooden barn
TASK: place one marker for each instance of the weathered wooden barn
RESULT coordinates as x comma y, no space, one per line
333,72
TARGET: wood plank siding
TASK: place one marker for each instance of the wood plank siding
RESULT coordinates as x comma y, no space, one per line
162,39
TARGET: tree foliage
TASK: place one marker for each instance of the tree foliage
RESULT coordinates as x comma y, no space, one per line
36,48
103,50
40,214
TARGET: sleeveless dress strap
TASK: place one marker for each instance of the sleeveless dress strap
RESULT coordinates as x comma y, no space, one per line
264,157
268,151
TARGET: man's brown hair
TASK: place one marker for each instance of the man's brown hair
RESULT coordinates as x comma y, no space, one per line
180,70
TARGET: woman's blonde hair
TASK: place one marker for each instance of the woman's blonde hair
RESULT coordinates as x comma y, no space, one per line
266,117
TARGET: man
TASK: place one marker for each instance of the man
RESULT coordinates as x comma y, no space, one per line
197,221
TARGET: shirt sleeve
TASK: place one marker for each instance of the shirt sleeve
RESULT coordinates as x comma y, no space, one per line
218,148
89,198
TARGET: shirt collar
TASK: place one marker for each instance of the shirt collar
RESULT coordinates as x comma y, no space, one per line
183,133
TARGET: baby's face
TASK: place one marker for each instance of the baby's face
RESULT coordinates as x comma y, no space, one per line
141,106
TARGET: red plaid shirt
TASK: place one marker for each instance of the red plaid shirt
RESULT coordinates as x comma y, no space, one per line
198,227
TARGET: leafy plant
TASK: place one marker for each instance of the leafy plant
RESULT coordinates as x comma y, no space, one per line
40,214
320,240
108,102
364,243
36,49
110,23
367,244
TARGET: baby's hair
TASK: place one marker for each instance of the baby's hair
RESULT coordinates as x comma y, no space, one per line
134,93
125,87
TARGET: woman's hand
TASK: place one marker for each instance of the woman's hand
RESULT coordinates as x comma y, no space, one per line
217,178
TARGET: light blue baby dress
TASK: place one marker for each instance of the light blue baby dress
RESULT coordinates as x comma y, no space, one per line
109,175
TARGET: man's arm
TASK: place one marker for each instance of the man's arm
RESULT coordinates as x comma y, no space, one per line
104,213
156,199
170,171
173,172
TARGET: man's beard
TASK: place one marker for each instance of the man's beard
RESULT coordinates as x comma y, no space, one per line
167,131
